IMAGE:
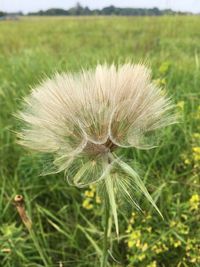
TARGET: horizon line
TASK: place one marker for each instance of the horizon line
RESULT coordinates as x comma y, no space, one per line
66,9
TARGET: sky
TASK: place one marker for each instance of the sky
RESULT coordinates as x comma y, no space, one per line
35,5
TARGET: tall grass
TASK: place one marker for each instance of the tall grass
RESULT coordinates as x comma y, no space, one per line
64,231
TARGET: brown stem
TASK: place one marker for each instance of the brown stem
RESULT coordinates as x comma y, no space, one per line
19,204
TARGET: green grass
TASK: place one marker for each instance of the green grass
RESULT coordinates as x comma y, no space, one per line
64,232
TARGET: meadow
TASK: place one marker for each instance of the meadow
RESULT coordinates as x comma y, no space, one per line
67,228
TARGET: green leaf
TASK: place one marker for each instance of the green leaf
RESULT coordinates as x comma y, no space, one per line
111,196
93,243
139,183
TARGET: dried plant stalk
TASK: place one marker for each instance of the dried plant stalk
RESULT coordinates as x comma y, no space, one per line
20,206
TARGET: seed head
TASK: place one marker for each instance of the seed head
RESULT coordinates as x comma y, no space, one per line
81,119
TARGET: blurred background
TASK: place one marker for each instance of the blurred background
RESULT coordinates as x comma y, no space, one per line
38,38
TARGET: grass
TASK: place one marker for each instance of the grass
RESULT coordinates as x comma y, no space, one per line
66,230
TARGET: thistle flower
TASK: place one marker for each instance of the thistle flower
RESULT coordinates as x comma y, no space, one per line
82,119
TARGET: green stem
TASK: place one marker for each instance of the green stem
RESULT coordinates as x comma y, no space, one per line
105,240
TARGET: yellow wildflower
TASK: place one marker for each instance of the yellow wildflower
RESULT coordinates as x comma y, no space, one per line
171,240
160,82
184,216
156,249
86,204
193,259
138,243
134,238
92,188
149,229
196,153
172,224
98,200
194,202
177,243
89,194
132,220
148,217
152,264
131,243
141,257
180,105
135,235
129,229
195,181
196,149
196,135
187,162
133,214
164,67
197,116
144,247
188,246
165,248
159,248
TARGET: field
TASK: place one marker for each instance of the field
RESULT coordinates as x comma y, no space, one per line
67,228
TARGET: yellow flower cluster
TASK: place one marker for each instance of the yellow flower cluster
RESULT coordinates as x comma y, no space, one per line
164,67
90,198
179,227
196,136
186,160
152,264
87,204
134,239
174,242
131,222
147,247
159,248
160,82
193,251
180,105
194,202
196,153
177,243
193,156
137,245
148,244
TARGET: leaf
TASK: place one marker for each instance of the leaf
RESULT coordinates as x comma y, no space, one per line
139,183
111,196
125,186
93,243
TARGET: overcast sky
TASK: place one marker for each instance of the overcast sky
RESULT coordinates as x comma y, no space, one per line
35,5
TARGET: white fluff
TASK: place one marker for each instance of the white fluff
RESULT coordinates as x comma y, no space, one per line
82,118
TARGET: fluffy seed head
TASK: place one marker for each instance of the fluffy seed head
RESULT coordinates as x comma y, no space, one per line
81,119
94,111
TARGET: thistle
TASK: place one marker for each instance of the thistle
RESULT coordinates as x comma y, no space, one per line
83,119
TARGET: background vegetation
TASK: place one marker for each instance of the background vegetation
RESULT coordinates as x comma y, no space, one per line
79,10
67,228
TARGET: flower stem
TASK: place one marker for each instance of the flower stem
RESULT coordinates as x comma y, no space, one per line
105,240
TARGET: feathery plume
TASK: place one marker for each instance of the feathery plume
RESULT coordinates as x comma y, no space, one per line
82,119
